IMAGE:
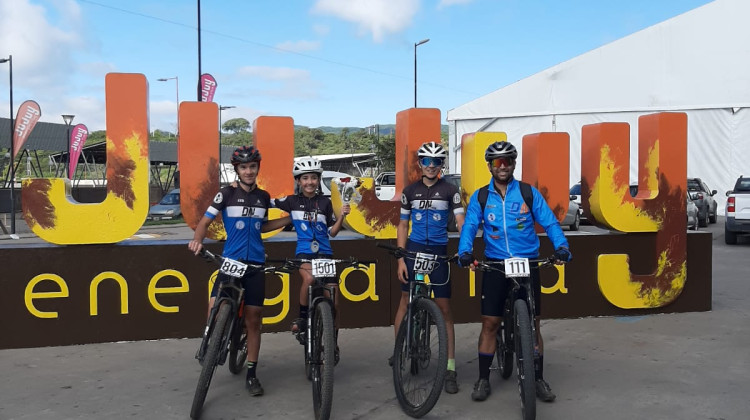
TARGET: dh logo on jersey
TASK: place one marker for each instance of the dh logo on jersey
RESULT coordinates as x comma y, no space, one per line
309,216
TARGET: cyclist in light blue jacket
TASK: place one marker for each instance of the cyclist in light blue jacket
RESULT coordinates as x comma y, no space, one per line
508,232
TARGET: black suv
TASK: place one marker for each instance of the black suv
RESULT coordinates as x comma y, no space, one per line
703,197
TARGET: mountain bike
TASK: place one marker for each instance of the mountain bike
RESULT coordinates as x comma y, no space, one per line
225,330
517,334
319,338
420,356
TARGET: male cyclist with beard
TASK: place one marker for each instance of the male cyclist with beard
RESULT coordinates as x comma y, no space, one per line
508,232
244,212
314,221
426,204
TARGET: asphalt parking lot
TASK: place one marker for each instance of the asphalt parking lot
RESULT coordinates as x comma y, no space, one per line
671,366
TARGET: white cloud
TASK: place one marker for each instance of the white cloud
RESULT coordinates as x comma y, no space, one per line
279,82
321,30
447,3
42,52
378,17
299,46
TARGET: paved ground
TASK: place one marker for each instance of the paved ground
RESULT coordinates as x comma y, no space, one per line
677,366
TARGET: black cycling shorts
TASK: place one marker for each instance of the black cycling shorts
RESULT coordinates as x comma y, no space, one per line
438,276
303,256
254,283
495,290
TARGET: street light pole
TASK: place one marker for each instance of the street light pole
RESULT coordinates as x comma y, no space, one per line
68,118
177,99
9,60
416,44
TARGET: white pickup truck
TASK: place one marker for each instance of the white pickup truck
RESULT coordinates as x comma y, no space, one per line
737,211
385,185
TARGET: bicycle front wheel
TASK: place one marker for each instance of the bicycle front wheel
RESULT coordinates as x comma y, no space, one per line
238,347
504,349
323,345
210,360
525,360
420,361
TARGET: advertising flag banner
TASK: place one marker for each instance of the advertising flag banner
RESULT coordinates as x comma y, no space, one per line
78,136
28,114
208,87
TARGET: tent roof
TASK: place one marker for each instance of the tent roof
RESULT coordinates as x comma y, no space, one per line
697,60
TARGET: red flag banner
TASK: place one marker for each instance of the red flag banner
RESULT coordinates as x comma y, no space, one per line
28,114
208,87
78,137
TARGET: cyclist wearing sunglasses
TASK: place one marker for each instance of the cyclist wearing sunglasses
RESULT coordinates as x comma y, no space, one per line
508,232
426,204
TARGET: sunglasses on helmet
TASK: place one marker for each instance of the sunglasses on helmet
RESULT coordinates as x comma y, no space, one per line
498,162
434,161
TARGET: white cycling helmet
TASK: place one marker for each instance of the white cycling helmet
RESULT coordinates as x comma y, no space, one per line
432,149
307,165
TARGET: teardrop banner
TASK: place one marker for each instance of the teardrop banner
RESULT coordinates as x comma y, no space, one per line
78,136
208,87
28,114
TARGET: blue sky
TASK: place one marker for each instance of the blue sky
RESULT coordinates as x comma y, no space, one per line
321,62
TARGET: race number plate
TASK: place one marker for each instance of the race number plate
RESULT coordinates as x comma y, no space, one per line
517,267
323,268
233,268
425,263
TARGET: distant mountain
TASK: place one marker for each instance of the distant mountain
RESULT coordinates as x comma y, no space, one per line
385,129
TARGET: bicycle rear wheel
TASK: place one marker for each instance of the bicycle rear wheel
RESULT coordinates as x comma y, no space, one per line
210,360
238,347
525,360
418,373
323,360
504,349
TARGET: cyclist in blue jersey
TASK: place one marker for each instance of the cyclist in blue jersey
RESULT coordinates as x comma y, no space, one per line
426,204
244,212
314,221
508,232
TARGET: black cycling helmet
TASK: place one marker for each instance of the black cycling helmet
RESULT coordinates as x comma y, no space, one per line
245,154
500,149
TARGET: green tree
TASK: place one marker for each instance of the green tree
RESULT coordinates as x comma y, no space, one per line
236,125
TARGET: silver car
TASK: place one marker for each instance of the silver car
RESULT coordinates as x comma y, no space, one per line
168,208
704,199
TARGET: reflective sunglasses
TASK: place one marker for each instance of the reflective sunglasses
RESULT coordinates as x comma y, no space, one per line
427,161
498,162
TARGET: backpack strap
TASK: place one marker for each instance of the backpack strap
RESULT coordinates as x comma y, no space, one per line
528,196
526,193
482,196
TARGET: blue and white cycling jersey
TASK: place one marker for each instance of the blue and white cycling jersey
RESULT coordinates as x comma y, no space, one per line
509,224
243,214
311,218
428,208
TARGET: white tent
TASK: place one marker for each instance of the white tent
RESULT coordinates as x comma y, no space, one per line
697,63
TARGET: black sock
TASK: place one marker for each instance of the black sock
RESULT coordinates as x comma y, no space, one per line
485,361
303,311
538,366
251,369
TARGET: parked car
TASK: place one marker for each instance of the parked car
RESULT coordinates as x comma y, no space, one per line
704,199
737,211
385,185
168,208
693,214
572,218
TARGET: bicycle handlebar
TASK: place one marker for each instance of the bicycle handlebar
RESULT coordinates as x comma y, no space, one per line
499,265
292,263
399,252
219,259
